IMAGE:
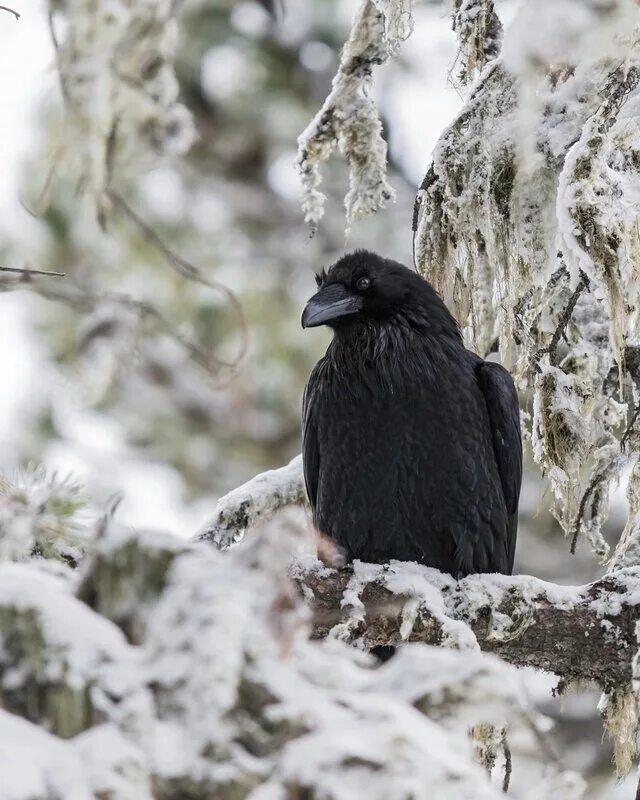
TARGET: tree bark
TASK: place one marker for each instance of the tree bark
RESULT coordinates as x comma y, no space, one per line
578,632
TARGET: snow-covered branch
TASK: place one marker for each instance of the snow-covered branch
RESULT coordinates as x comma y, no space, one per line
254,503
580,633
170,670
577,632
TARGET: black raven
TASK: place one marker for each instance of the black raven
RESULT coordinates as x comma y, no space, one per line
411,443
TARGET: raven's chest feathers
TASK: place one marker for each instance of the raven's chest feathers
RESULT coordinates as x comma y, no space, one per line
403,452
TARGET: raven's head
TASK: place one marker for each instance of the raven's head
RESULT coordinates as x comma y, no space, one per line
363,287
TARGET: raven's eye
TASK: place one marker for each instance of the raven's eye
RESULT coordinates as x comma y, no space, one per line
362,284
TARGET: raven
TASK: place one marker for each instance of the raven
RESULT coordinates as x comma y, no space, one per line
411,443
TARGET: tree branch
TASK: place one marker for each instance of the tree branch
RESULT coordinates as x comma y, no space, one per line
26,271
561,328
254,503
11,11
578,632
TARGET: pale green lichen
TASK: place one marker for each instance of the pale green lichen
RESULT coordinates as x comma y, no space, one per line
349,118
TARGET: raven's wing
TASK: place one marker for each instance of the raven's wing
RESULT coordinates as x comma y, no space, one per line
310,452
504,416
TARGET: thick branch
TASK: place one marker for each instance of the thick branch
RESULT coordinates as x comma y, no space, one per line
578,632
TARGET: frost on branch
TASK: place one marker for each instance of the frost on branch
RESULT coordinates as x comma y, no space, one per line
254,503
479,33
526,621
526,222
115,60
349,117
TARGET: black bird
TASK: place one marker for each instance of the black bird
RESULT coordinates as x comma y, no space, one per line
411,443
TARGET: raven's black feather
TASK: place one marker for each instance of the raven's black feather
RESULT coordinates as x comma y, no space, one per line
411,443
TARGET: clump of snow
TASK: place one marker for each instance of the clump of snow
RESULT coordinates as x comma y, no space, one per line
425,585
35,764
48,638
115,766
125,573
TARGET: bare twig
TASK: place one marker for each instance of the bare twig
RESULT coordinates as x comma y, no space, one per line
11,11
507,762
629,429
80,298
591,488
27,271
560,332
187,270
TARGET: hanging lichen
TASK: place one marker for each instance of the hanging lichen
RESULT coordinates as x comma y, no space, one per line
349,118
115,60
479,33
527,223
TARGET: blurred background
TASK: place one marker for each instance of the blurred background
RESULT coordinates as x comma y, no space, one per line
102,375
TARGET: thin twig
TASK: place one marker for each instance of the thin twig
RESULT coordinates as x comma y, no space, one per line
186,269
508,765
87,301
595,482
26,271
561,328
629,429
11,11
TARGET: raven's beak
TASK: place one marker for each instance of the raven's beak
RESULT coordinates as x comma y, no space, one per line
329,304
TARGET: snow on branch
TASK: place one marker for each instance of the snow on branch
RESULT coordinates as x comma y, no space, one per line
479,32
525,620
254,503
171,670
349,117
580,633
238,668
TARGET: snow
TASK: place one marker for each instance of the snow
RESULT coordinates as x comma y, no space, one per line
81,642
346,765
226,689
115,766
426,586
109,761
35,764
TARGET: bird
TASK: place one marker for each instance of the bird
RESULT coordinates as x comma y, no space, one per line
411,443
